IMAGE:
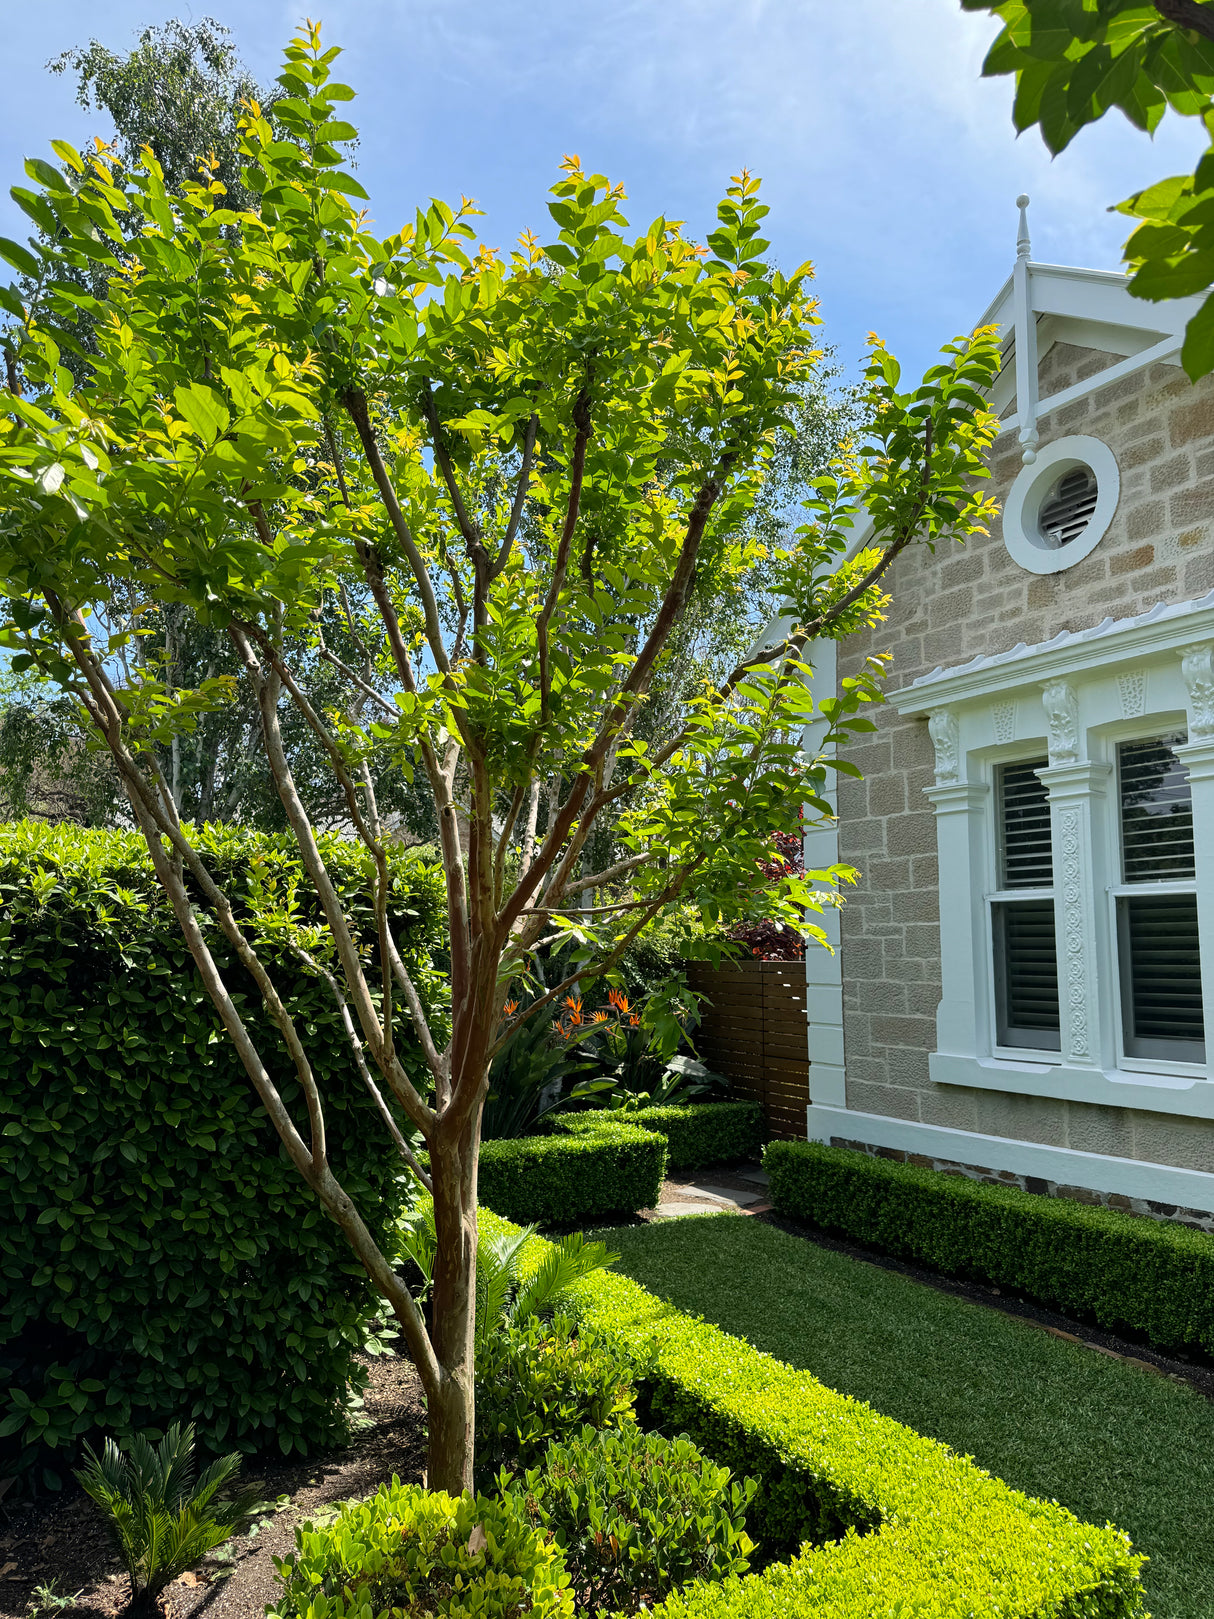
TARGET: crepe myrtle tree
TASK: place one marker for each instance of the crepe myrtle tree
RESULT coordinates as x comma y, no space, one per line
520,465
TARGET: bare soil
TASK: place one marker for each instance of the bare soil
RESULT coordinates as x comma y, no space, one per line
64,1541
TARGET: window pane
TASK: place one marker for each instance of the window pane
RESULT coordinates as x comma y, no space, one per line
1024,818
1026,974
1161,977
1156,811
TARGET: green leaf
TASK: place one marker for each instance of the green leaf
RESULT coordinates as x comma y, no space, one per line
45,173
1197,354
203,409
19,257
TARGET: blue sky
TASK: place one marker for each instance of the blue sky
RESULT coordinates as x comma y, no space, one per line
886,159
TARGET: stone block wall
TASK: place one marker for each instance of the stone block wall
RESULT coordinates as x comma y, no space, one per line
974,599
1196,1219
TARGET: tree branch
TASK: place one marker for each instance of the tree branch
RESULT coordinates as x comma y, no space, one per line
1187,14
355,402
520,498
581,420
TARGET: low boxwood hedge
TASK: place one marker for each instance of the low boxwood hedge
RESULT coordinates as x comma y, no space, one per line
1126,1273
703,1133
902,1526
592,1167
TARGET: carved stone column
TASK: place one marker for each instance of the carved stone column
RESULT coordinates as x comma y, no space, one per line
1197,665
1074,785
962,1019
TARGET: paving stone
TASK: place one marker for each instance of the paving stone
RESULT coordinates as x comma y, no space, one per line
677,1211
759,1176
724,1194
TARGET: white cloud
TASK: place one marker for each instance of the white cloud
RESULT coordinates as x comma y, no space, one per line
886,158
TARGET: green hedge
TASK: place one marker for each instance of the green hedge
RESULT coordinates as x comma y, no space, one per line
703,1133
904,1527
160,1259
591,1167
1122,1271
597,1164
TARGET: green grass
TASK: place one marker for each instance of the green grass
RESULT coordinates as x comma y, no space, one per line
1107,1440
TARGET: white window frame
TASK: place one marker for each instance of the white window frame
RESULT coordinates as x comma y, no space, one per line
1075,698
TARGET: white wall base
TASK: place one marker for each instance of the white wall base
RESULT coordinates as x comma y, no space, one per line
1160,1183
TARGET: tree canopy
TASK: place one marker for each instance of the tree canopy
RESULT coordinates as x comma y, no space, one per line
505,476
1075,60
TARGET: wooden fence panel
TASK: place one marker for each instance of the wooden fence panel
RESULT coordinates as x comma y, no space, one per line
753,1030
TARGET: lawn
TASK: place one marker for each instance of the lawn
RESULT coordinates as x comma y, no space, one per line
1053,1419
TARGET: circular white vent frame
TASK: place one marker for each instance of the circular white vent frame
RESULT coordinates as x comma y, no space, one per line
1022,534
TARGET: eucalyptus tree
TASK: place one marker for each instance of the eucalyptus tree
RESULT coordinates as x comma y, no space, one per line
523,464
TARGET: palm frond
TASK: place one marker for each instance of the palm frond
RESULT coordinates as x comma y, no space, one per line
163,1522
562,1265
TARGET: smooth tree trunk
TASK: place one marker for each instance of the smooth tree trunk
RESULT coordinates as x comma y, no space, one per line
451,1407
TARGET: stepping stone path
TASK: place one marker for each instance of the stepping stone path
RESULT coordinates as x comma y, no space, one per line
680,1200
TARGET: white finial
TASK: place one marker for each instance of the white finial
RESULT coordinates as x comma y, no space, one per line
1026,340
1022,238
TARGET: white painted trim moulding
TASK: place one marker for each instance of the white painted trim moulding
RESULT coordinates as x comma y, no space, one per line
1159,1183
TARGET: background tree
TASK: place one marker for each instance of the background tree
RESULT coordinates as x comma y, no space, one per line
48,770
1073,60
523,466
180,92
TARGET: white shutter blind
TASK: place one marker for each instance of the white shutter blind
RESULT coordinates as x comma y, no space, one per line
1160,956
1026,960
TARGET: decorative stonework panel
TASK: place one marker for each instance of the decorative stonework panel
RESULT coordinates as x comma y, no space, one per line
1004,716
1132,689
1062,716
1069,829
945,732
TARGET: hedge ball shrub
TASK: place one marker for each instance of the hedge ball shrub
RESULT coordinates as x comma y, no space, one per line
1126,1273
412,1551
160,1258
636,1515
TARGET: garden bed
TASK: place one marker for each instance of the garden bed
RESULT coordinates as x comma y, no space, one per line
64,1541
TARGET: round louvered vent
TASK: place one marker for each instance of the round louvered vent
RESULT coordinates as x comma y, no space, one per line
1060,505
1067,509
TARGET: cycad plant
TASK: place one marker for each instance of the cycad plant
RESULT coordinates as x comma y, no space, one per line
504,1296
162,1521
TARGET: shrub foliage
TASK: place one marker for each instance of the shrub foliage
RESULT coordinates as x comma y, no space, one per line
412,1551
160,1259
605,1166
1126,1273
537,1382
637,1516
699,1133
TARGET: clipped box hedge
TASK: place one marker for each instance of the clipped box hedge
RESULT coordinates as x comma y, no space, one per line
903,1527
703,1133
591,1167
160,1258
1124,1272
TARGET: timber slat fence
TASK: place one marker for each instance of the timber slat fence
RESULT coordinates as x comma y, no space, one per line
755,1033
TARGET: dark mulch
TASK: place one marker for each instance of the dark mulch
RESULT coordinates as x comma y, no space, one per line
1197,1371
63,1541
